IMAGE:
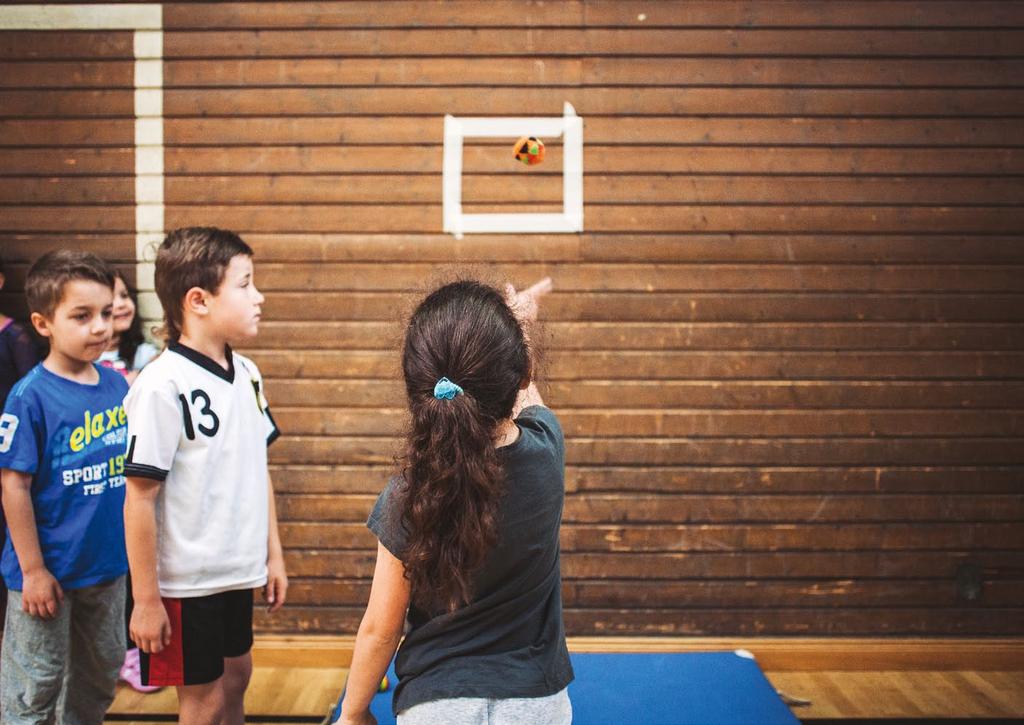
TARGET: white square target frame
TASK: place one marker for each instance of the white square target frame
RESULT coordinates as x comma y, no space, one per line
569,127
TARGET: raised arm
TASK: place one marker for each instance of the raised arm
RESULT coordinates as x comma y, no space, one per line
525,304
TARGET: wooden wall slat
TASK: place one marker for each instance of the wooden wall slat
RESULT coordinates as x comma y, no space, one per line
710,307
68,218
88,45
616,130
68,74
678,160
682,336
104,191
702,508
502,13
459,42
62,132
679,277
499,189
736,480
533,101
607,218
868,564
324,563
678,423
706,537
46,103
818,14
487,160
458,13
766,250
684,595
679,451
732,394
683,72
574,365
547,189
674,247
688,72
652,278
68,161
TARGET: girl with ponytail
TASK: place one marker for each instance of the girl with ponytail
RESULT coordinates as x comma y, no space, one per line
468,531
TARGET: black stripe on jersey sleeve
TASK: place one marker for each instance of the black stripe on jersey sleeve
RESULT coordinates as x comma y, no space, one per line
141,470
274,434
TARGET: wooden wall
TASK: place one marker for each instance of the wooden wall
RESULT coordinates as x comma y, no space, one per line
787,350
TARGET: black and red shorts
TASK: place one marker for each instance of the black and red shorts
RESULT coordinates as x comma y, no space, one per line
204,630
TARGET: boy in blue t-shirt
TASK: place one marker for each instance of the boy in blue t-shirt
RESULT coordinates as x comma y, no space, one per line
62,451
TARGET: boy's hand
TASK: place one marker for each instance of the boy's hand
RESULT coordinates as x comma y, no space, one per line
525,303
41,594
276,590
150,628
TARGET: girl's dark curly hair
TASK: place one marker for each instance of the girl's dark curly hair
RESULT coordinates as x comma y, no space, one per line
454,481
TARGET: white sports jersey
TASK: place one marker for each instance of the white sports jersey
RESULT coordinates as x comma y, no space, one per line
204,432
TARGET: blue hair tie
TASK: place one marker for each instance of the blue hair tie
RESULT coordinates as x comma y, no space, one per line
446,389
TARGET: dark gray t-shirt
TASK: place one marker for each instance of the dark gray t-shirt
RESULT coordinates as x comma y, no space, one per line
510,640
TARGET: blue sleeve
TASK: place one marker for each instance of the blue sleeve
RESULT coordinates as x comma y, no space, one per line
22,433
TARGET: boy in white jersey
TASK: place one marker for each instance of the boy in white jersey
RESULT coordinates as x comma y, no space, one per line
200,521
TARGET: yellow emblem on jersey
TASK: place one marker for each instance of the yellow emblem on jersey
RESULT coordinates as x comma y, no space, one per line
96,424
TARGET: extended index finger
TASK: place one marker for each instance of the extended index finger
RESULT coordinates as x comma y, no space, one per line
540,288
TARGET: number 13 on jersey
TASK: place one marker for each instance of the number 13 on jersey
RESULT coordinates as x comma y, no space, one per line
205,420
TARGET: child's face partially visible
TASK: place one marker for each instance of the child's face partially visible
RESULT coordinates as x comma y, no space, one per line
234,312
82,323
124,308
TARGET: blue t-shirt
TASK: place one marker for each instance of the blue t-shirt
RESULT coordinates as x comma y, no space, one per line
71,437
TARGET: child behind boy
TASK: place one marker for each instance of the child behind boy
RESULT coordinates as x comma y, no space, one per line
18,355
62,443
199,517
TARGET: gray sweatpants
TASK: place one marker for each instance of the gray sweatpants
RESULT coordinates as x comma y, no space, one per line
63,669
551,710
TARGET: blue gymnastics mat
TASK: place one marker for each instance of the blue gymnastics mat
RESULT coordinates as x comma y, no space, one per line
692,688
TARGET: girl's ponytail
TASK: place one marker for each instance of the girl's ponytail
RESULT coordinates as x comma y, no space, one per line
454,480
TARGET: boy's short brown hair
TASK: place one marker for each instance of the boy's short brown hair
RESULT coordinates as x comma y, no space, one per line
192,257
48,275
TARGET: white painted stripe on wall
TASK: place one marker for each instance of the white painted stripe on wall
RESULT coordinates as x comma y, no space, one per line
149,166
149,44
149,131
82,17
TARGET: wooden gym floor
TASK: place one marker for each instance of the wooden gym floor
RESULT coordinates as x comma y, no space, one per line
291,682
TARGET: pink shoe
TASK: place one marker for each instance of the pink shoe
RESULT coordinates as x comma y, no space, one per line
131,672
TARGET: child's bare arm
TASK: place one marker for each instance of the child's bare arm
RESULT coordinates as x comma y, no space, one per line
41,593
525,304
277,579
150,627
379,634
